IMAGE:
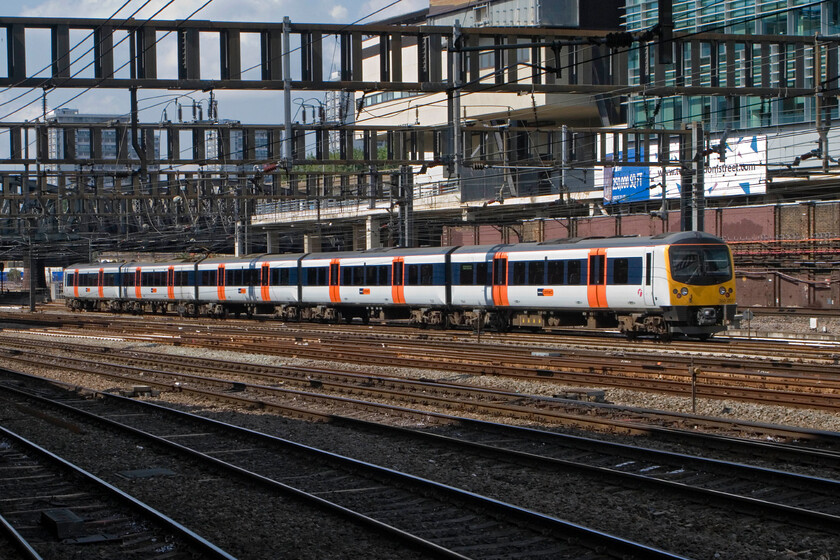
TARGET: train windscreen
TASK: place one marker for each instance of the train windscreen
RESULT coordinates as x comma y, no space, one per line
700,265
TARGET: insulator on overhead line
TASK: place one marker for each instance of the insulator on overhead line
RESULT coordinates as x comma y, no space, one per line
268,167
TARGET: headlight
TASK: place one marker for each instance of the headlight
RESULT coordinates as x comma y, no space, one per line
684,291
722,291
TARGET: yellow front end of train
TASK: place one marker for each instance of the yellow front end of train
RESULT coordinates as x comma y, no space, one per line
701,288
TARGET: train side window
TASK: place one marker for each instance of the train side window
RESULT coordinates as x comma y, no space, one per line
518,275
359,276
466,274
315,276
573,273
617,271
412,275
536,273
482,275
208,277
555,272
427,274
234,277
624,271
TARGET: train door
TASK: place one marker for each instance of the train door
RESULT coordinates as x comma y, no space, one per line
252,281
138,275
597,290
170,282
220,282
335,293
500,283
265,276
647,288
100,282
397,286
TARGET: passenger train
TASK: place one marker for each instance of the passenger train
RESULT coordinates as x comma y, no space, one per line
673,283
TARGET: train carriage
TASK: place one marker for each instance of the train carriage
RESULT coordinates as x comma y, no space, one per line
279,285
148,287
92,286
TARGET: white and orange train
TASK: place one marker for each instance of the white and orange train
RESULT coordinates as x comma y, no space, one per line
675,283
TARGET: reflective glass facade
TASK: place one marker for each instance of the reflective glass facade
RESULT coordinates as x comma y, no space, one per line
749,17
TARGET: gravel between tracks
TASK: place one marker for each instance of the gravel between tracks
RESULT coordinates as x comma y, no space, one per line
605,505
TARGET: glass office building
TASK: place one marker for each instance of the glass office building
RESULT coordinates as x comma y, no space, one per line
748,17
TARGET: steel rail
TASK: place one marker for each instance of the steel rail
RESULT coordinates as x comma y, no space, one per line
18,541
206,547
544,524
541,408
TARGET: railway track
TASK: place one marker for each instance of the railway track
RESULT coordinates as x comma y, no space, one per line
806,378
442,520
51,508
313,391
787,498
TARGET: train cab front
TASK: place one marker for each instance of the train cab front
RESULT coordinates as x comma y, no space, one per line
701,284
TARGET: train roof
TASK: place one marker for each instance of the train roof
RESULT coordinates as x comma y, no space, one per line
97,266
382,252
669,238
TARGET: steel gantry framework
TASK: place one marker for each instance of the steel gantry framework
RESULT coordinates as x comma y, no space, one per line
561,60
188,195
